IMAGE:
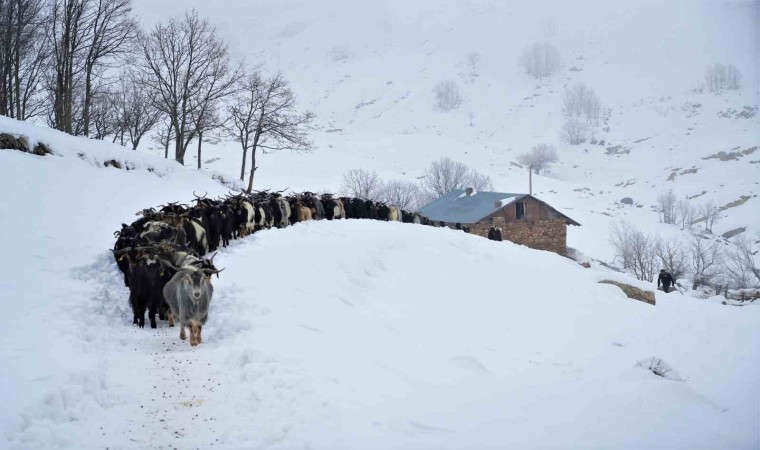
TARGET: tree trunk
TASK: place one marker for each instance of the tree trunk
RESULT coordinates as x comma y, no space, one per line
200,142
87,101
242,168
253,169
166,148
179,155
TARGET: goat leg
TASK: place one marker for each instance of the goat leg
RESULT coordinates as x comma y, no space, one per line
152,316
193,334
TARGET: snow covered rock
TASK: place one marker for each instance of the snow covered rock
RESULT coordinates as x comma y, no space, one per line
633,292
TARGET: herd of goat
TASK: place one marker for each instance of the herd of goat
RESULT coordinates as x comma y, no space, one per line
162,254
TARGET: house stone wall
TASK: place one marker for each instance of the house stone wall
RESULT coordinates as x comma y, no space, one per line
550,235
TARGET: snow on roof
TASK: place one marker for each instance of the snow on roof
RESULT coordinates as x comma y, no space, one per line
458,207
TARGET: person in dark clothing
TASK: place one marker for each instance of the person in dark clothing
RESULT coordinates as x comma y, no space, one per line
494,233
665,279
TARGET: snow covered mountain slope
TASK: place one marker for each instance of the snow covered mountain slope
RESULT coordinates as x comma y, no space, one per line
368,69
346,334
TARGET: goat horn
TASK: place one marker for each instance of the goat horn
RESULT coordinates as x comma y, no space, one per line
168,264
212,271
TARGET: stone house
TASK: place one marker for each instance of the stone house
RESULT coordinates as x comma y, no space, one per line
523,218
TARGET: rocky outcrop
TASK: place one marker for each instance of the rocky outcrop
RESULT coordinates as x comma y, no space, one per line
21,143
633,292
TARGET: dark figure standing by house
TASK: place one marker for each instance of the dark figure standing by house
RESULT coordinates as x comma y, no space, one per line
666,280
494,233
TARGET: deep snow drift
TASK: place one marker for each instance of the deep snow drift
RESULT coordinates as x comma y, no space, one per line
346,334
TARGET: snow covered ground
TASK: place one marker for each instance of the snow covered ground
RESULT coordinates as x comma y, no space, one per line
373,335
352,334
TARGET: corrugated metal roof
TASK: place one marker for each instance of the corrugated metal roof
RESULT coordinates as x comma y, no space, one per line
457,207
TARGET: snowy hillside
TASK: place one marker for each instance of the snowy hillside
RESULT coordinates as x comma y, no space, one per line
349,334
368,69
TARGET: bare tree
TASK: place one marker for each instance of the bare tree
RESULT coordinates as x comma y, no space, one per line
667,207
644,252
445,175
574,131
23,55
105,114
540,60
137,111
673,258
164,135
110,29
686,213
188,66
479,181
637,251
620,239
66,37
741,265
206,120
361,183
720,77
447,96
710,214
580,100
705,256
263,116
243,115
539,158
473,62
407,195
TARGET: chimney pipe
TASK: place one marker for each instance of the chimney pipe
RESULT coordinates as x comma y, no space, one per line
530,179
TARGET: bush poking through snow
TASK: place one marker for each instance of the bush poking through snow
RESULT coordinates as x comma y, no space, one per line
473,62
539,158
447,96
21,143
540,60
574,131
339,53
581,101
659,368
